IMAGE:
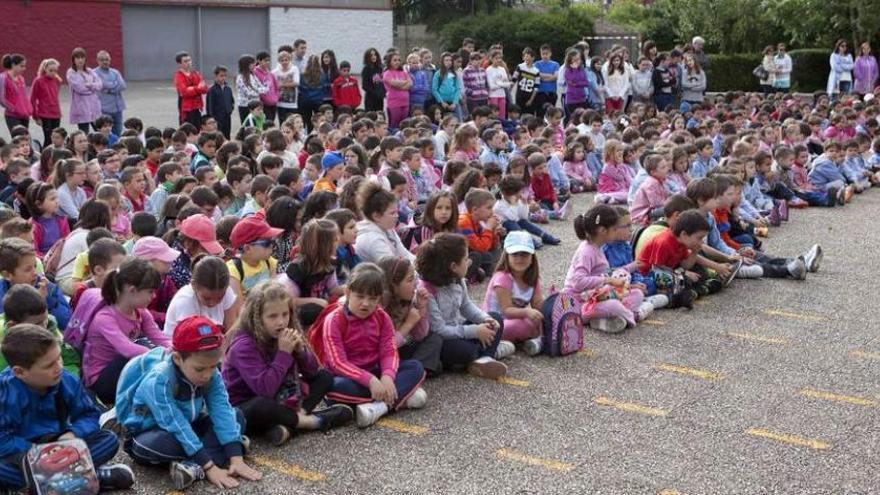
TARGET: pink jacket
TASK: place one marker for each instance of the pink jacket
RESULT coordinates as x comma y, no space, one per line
614,178
650,195
578,171
364,347
268,79
14,97
85,105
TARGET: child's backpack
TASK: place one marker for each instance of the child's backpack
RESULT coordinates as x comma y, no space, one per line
563,327
61,467
88,304
52,260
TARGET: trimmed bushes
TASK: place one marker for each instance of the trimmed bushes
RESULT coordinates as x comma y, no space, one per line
734,72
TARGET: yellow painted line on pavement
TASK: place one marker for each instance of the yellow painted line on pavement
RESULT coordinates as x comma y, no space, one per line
515,455
866,354
588,353
795,316
175,492
512,381
630,407
402,426
789,439
701,302
831,396
758,338
669,491
658,323
289,469
684,370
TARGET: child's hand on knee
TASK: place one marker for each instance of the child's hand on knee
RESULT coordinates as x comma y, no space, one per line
485,334
390,390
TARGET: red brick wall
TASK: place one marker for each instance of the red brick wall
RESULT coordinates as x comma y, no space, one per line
52,29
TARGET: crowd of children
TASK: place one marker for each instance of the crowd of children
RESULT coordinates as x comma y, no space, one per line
198,289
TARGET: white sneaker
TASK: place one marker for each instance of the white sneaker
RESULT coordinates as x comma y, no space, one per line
750,271
505,349
658,300
486,367
797,268
615,324
418,399
108,421
644,311
368,414
532,347
813,258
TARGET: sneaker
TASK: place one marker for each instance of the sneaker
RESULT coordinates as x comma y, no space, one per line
553,215
797,268
115,477
750,271
658,300
418,399
278,435
505,349
783,210
245,444
532,347
645,310
486,367
185,473
108,421
841,196
563,210
714,285
551,240
813,258
798,203
335,416
368,414
615,324
537,242
774,218
684,299
737,266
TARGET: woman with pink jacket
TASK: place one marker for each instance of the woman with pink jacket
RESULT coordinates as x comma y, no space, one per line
85,85
13,91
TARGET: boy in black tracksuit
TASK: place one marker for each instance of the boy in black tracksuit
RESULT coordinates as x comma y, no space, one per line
219,102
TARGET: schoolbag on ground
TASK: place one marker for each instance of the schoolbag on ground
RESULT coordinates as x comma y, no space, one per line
62,467
563,327
88,304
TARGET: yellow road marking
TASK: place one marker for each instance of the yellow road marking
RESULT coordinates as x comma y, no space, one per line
587,353
670,492
175,492
512,381
758,338
796,316
402,426
822,394
658,323
701,302
789,439
514,455
289,469
630,407
866,354
684,370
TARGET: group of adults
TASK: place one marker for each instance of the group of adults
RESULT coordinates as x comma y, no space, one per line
93,92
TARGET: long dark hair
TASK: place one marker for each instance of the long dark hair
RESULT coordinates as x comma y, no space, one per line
136,272
332,69
244,68
369,63
442,68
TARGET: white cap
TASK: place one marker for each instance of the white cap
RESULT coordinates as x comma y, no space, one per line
698,39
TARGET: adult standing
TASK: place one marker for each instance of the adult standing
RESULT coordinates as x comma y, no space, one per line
371,81
693,81
840,76
190,88
85,87
783,69
112,103
865,71
699,55
769,65
13,91
299,55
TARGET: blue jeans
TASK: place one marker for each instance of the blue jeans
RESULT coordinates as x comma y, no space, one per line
523,224
816,198
102,447
459,353
410,375
158,447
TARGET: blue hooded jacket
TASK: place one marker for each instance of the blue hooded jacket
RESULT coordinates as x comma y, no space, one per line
824,172
55,301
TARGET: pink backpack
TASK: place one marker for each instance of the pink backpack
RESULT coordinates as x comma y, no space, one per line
89,303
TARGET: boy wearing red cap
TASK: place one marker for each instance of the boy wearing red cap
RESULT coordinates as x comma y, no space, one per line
254,239
176,411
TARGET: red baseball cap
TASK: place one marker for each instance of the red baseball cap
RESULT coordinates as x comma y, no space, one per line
201,228
196,333
250,229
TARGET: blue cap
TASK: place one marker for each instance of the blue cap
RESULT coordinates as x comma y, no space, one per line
685,107
519,241
331,159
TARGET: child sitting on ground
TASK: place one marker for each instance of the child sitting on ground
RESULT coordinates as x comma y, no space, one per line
575,167
18,265
648,202
209,295
480,227
253,238
440,215
514,212
311,276
619,253
356,343
183,382
103,256
346,257
614,181
32,387
268,365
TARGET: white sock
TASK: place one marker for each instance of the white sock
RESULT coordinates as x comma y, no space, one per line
380,407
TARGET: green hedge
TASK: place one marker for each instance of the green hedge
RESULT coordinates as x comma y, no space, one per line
733,72
516,29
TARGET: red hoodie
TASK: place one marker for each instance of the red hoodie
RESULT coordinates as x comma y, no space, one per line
44,97
345,91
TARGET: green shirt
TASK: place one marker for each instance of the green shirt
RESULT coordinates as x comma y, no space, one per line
69,356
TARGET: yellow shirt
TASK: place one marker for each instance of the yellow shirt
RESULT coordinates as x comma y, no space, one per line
81,266
253,275
325,184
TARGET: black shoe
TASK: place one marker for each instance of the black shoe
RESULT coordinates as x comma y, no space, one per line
550,240
335,416
115,477
278,435
714,285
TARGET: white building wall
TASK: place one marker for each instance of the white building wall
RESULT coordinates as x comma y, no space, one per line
347,32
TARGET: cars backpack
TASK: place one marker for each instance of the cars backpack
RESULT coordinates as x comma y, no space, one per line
563,327
63,467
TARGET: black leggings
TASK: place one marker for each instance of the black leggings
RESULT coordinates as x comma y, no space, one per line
48,126
105,386
261,413
11,122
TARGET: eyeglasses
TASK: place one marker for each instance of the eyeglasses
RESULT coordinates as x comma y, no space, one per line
263,243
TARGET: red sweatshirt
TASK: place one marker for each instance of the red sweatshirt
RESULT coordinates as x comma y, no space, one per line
190,88
345,91
542,187
362,347
44,97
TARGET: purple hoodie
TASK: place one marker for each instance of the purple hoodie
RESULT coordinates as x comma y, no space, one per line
576,84
249,371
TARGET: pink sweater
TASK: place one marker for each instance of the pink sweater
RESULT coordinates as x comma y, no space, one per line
650,195
614,178
111,334
588,269
578,171
14,97
362,347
